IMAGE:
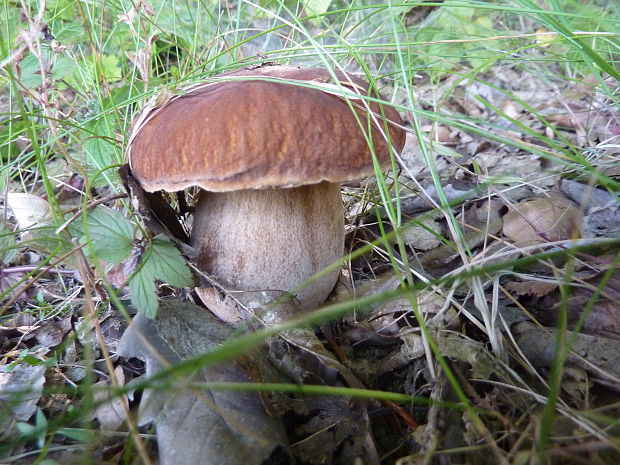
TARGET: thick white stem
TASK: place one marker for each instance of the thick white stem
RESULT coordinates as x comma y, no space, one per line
271,239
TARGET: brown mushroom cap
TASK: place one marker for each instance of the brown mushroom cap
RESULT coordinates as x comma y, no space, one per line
238,133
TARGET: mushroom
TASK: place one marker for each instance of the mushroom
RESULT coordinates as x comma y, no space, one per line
268,147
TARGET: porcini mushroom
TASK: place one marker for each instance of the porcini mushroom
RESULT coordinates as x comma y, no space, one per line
269,147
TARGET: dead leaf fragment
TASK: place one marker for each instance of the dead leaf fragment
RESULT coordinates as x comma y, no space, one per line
537,221
480,223
442,134
424,235
336,435
603,314
533,288
595,354
458,347
12,282
20,390
217,426
225,308
29,210
602,210
119,274
109,410
51,333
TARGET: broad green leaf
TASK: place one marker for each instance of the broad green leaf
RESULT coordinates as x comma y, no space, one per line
9,25
503,179
111,67
111,234
62,10
10,130
142,290
78,434
317,7
99,148
45,240
181,22
41,423
63,67
26,429
57,67
89,72
32,360
456,22
7,244
30,73
69,33
167,263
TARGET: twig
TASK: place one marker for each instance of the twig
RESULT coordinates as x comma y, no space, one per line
31,268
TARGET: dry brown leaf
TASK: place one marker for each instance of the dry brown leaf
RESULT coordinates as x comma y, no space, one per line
417,14
511,110
222,306
213,427
439,315
109,410
527,166
442,134
541,220
453,190
564,121
423,237
602,210
51,333
336,435
533,288
597,355
20,390
480,223
12,281
603,315
29,210
120,272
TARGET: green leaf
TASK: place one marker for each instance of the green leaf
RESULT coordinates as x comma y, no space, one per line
32,360
41,424
142,290
92,71
63,67
452,22
99,148
45,240
111,67
30,73
57,67
163,262
111,234
7,244
84,79
180,22
78,434
10,130
38,430
10,25
317,7
62,10
26,429
167,263
69,33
